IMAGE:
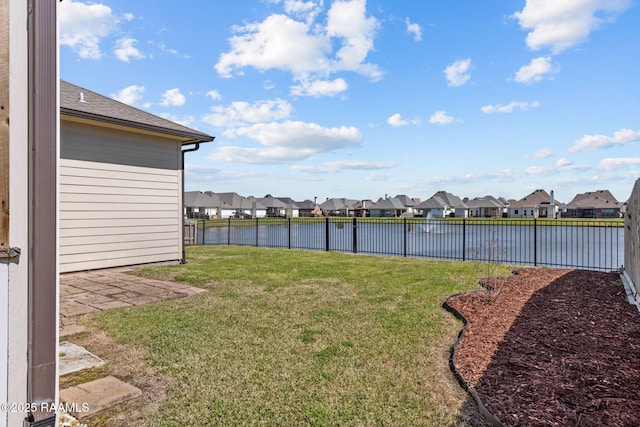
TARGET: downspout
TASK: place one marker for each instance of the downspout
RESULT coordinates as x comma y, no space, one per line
42,375
188,150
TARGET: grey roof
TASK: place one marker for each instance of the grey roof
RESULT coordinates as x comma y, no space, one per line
79,102
289,202
391,203
198,199
594,200
271,202
485,202
236,201
453,201
306,204
337,204
533,200
434,202
406,200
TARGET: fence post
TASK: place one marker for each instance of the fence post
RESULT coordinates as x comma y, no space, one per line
229,231
404,226
204,223
257,232
535,242
289,236
326,234
355,235
464,239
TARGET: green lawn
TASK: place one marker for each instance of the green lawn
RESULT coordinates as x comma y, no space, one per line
303,338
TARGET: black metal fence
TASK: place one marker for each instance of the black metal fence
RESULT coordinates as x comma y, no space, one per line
593,245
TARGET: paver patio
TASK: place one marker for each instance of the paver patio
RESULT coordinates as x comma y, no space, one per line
92,291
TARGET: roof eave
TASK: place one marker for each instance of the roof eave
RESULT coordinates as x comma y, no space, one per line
188,137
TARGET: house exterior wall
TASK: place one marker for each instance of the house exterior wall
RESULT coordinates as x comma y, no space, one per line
120,198
461,213
433,213
527,212
593,213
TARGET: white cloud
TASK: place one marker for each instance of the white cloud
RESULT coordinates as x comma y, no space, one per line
615,163
307,10
537,69
129,95
457,74
359,165
214,94
173,98
508,108
278,42
441,118
596,142
240,113
84,25
543,154
305,49
307,137
396,120
320,88
285,142
566,165
125,50
559,25
271,155
340,165
347,20
378,177
163,47
187,121
414,29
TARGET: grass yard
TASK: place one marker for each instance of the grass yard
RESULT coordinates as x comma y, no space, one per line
288,337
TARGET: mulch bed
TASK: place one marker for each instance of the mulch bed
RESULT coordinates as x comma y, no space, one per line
551,347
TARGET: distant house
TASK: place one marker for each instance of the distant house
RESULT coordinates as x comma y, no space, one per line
408,203
275,207
292,210
120,182
434,207
487,207
443,204
339,207
538,204
308,208
594,204
202,205
390,207
361,209
238,206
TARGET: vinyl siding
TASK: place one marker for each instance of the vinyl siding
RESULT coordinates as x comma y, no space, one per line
120,198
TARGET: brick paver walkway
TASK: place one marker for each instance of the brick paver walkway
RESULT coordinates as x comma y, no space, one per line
87,292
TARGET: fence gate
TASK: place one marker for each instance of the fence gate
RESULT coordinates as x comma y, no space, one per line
190,232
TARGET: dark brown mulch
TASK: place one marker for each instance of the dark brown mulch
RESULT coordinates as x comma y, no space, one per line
553,347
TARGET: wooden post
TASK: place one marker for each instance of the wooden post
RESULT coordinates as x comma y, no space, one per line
4,125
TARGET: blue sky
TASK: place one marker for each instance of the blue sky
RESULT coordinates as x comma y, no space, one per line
362,98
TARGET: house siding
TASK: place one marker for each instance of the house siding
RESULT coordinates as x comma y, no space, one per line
120,198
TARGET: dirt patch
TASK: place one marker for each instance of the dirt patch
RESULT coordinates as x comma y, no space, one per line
549,347
128,364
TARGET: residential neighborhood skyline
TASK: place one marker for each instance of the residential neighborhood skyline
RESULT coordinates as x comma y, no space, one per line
537,204
364,97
